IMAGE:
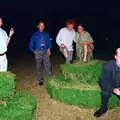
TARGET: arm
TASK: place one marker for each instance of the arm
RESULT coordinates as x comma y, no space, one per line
58,38
49,45
74,37
106,76
10,35
88,39
31,43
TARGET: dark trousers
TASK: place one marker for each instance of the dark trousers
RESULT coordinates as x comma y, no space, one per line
42,64
105,96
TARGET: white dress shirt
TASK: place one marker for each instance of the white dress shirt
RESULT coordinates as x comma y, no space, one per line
66,37
3,41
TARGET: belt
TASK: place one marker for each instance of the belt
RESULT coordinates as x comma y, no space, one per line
2,54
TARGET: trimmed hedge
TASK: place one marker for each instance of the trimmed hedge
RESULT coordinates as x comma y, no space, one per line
81,91
14,105
85,73
21,107
7,85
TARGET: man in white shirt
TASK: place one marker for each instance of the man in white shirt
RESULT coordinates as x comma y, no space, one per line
4,41
65,39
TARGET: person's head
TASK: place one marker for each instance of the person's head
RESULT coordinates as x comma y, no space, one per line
41,26
70,24
117,56
1,22
80,28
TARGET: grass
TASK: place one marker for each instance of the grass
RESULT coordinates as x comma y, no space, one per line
48,108
78,85
14,105
21,107
7,85
85,73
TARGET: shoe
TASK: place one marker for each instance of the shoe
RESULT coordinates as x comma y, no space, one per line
41,83
100,112
85,61
71,62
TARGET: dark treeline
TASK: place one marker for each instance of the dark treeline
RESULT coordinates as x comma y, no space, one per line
104,29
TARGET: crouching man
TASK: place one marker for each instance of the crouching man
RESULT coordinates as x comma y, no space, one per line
109,82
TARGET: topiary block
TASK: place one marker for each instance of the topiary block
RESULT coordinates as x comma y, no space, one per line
7,85
79,85
86,73
21,107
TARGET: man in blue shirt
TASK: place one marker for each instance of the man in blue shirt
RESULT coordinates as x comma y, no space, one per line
40,45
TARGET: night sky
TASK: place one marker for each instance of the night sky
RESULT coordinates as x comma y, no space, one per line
101,19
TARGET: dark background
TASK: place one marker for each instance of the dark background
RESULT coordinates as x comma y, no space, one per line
101,19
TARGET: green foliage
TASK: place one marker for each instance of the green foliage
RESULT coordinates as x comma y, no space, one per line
15,106
21,107
7,85
85,73
79,85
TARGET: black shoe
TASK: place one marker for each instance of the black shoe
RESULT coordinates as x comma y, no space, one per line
71,62
41,83
100,112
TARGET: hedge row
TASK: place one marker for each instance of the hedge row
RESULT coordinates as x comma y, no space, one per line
21,107
7,85
81,91
85,73
14,105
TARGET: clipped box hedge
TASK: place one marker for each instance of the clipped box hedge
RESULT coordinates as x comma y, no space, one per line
21,107
79,85
14,105
7,85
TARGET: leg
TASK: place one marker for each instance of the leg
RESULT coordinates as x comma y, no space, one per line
39,72
47,64
64,52
85,52
105,95
90,52
3,63
70,56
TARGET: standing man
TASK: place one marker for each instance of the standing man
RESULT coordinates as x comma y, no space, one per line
40,45
109,82
65,39
4,41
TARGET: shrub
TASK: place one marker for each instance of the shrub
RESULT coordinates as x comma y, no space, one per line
15,105
21,107
85,73
79,85
7,85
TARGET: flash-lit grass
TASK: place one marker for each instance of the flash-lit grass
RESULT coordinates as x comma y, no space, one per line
47,108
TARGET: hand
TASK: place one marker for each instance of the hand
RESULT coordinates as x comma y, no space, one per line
11,32
48,52
116,91
62,45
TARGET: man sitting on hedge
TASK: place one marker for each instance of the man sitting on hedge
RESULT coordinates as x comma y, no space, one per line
109,82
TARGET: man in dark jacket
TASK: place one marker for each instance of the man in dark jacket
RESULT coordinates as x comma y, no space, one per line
40,45
109,82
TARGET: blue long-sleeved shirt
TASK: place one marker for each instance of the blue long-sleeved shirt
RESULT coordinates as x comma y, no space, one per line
35,41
